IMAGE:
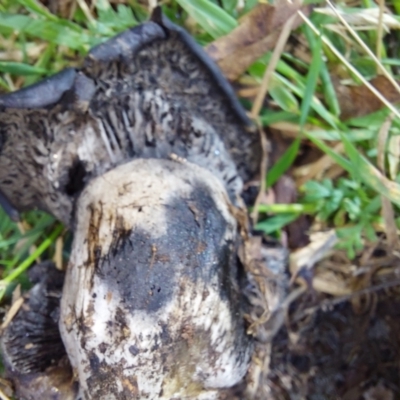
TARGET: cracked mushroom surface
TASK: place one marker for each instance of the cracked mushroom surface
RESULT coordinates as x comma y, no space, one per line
143,152
146,93
151,303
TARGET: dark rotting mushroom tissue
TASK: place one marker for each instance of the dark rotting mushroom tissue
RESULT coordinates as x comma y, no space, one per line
149,92
143,153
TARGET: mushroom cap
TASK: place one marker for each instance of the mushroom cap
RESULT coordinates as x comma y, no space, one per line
151,306
148,92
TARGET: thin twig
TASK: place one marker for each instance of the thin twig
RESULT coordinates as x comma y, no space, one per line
12,312
328,304
85,9
276,55
3,396
257,105
263,173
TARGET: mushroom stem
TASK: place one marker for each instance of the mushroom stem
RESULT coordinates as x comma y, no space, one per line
151,306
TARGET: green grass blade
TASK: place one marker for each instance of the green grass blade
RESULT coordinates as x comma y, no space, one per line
38,9
286,208
329,91
316,105
312,78
4,85
354,135
30,260
213,19
343,162
283,164
17,68
361,168
269,117
284,98
51,31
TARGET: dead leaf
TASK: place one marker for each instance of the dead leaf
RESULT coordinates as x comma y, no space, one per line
3,396
321,243
16,294
12,312
357,101
316,169
258,32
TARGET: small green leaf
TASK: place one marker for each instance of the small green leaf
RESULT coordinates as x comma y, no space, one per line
276,223
315,191
353,207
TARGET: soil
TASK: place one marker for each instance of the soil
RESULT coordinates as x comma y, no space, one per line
338,348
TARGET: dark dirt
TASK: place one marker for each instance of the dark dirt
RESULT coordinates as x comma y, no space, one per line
338,352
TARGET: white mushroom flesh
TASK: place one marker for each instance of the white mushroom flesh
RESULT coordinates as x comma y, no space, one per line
151,303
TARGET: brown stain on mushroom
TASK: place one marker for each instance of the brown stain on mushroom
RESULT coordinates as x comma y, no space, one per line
95,220
180,374
201,246
153,256
109,296
130,385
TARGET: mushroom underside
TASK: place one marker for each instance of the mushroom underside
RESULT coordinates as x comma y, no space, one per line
148,92
33,352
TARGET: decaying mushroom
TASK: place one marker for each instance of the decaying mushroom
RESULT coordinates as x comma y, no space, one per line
32,349
146,93
152,299
151,307
143,152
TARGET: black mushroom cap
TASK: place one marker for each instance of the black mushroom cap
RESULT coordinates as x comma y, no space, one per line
33,352
148,92
152,306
